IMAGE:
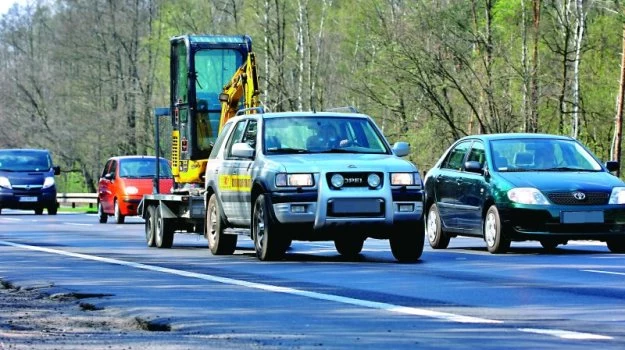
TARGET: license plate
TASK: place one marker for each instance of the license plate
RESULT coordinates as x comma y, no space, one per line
28,199
353,206
581,217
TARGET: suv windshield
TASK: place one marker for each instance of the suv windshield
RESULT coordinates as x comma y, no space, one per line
143,168
336,134
25,160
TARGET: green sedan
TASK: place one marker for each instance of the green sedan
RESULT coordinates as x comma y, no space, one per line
518,187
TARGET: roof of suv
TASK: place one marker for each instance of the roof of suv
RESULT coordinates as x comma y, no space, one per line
308,114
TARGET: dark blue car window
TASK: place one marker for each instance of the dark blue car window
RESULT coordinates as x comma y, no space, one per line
25,160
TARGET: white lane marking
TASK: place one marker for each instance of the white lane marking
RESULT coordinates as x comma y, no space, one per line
11,219
314,295
76,224
606,272
566,334
268,287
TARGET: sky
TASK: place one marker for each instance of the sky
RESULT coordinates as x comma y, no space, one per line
5,5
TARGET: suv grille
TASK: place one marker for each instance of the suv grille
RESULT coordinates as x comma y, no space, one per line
355,179
591,198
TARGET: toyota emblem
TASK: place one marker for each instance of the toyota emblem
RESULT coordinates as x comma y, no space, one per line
580,196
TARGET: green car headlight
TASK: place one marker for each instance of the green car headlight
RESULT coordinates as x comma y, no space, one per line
617,196
527,195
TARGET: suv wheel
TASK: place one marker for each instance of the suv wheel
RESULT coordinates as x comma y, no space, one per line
616,245
52,209
38,211
269,242
349,246
218,242
407,241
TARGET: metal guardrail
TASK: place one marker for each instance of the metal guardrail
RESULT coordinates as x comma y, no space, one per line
71,199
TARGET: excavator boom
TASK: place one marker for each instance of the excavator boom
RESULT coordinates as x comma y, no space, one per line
244,83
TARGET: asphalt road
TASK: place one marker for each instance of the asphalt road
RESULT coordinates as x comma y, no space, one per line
461,297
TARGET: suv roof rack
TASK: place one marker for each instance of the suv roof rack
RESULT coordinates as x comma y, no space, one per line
259,109
346,109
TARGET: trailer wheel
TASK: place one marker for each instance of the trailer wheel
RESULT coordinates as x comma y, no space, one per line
164,230
218,242
150,223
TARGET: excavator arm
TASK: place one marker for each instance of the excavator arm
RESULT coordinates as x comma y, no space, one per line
244,83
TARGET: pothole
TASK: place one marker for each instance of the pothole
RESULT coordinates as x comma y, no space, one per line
77,296
152,326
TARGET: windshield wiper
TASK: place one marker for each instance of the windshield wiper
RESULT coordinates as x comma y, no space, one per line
516,170
287,150
336,150
565,168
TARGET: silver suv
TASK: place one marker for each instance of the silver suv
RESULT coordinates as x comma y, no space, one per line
312,177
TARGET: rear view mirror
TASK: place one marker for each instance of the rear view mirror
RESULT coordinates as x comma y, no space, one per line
57,170
612,165
473,167
242,150
401,149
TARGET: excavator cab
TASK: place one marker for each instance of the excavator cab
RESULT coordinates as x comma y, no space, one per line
200,67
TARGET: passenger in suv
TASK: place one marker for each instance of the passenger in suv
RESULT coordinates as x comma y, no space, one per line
285,177
27,180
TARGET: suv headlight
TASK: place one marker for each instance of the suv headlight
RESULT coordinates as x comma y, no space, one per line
294,180
4,182
48,182
405,179
617,196
527,195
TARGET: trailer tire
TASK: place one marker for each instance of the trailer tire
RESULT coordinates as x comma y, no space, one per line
150,226
164,236
219,243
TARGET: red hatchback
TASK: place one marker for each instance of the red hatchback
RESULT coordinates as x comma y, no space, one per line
125,180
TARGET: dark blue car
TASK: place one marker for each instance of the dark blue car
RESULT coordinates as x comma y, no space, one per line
516,187
27,180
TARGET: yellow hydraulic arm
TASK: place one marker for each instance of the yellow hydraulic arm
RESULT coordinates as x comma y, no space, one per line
243,83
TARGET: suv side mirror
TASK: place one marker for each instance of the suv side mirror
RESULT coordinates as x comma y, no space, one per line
612,165
401,149
57,170
242,150
108,176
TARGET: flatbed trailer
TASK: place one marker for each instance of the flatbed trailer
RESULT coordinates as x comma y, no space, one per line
165,214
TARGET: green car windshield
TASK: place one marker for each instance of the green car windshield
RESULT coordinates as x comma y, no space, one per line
534,154
322,135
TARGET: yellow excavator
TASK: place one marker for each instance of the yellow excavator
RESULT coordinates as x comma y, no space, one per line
211,78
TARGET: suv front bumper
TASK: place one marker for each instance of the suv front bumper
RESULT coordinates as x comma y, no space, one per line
332,209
